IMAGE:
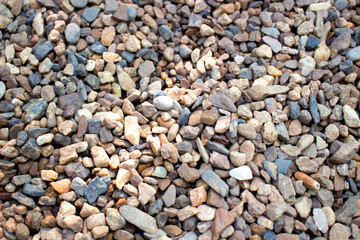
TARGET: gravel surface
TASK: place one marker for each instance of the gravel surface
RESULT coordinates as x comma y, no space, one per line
179,119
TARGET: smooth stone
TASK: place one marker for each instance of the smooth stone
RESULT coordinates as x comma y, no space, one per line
139,218
241,173
72,33
163,103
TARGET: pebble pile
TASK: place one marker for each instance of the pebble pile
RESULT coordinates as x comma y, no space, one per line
179,119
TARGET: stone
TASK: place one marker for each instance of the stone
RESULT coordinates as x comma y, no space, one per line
79,4
101,159
163,103
241,173
33,190
31,150
220,100
94,189
72,33
216,183
125,81
197,196
339,231
35,110
90,13
62,186
169,196
345,153
353,54
139,218
320,220
306,65
222,219
303,206
132,130
351,117
146,69
122,177
145,192
165,32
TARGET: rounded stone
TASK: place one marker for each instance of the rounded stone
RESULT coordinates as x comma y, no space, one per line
72,33
163,103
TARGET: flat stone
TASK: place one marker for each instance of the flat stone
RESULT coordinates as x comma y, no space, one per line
216,183
94,189
220,100
139,218
146,69
241,173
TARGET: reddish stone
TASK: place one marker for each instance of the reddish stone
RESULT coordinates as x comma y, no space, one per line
222,220
82,126
24,83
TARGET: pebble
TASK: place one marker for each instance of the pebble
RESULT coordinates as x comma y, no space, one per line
138,218
163,103
241,173
215,182
72,33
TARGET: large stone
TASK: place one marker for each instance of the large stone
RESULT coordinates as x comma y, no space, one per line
351,117
35,110
216,183
139,218
346,152
132,130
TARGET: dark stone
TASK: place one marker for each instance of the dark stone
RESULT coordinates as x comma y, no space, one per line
22,199
68,100
184,147
347,66
217,147
347,212
79,186
105,135
132,13
155,207
36,110
127,56
90,13
97,47
62,140
21,138
94,126
95,188
282,165
312,43
33,190
184,117
31,149
6,106
268,169
294,110
41,51
36,132
313,108
93,81
73,61
165,32
269,235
